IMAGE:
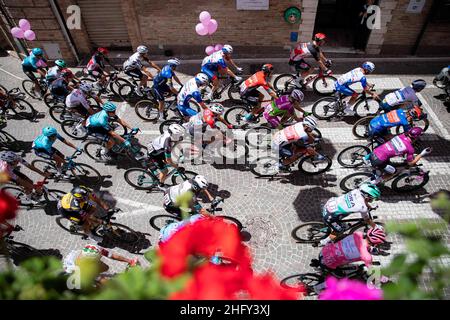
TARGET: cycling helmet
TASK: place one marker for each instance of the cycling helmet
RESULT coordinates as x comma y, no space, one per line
368,66
201,78
86,87
319,37
103,50
370,190
199,182
297,95
227,49
9,156
217,108
176,131
142,49
414,133
37,51
416,113
80,192
60,63
67,73
109,107
267,68
418,85
49,131
376,236
174,62
91,252
310,122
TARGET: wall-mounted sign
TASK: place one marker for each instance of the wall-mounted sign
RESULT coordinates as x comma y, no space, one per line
292,15
252,4
415,6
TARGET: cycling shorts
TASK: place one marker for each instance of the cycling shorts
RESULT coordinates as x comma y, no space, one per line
43,153
20,175
378,132
99,132
300,65
251,96
74,216
159,157
186,110
344,89
134,73
333,221
96,73
210,72
377,163
159,91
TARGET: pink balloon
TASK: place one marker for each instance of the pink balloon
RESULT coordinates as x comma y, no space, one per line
17,33
209,50
24,24
218,47
201,29
204,17
29,35
212,26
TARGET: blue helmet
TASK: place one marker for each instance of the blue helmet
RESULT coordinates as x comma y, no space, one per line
369,66
109,107
201,78
49,131
37,51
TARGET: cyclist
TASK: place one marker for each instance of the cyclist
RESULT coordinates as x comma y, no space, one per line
405,97
35,62
79,205
294,140
135,69
55,72
160,149
216,63
380,125
99,125
282,109
96,66
60,87
170,229
355,201
77,100
307,49
93,252
195,185
43,147
401,145
9,166
162,84
191,91
342,85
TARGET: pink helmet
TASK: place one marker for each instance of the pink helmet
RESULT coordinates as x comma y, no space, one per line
415,132
376,236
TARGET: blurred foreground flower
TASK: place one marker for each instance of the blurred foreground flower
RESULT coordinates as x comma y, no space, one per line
8,206
346,289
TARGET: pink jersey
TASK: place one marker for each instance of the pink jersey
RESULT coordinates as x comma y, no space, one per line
397,146
352,248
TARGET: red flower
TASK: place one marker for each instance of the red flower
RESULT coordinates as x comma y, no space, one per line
8,206
265,287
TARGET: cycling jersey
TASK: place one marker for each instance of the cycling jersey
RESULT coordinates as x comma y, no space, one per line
214,61
259,79
59,87
398,146
69,203
43,142
351,202
289,134
175,191
70,263
352,248
96,63
304,50
190,90
398,97
77,98
201,121
279,107
162,144
99,120
32,63
356,75
6,168
164,77
52,74
380,124
170,229
134,61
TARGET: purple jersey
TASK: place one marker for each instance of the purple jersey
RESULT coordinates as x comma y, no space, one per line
280,107
397,146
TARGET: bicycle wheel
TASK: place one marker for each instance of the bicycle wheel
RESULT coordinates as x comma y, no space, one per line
140,179
74,129
18,194
147,110
361,127
354,180
115,85
27,86
23,109
424,124
68,226
265,167
303,281
353,156
325,108
94,151
232,220
235,116
259,137
159,221
164,126
51,101
367,107
45,166
310,232
59,113
119,128
284,82
311,166
85,174
408,182
179,178
234,92
324,86
126,93
117,232
53,195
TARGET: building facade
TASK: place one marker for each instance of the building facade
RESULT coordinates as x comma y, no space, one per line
399,27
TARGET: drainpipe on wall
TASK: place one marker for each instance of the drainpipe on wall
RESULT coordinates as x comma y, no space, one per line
424,28
57,12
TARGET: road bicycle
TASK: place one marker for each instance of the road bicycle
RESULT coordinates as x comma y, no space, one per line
60,112
127,91
75,128
15,101
112,85
82,173
148,109
159,221
28,87
227,84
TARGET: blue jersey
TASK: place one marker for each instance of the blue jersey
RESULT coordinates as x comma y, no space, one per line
190,90
43,142
214,61
100,119
164,76
30,62
391,119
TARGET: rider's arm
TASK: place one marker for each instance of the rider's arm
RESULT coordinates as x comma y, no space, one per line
153,65
168,153
208,194
100,202
117,257
177,80
125,124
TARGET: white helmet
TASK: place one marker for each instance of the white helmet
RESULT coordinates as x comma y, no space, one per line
9,156
227,49
142,49
201,78
297,95
176,131
174,62
310,122
217,108
199,182
86,87
369,66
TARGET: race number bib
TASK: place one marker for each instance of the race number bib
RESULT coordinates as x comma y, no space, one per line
167,200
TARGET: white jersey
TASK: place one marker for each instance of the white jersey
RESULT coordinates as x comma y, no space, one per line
54,72
300,51
134,61
177,190
352,76
188,91
351,202
77,98
214,58
406,94
288,135
159,143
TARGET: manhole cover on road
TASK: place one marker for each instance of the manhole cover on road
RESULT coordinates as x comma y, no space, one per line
264,233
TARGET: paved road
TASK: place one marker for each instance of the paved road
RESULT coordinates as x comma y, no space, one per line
269,209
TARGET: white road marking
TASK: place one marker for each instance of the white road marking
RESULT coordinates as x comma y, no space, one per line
12,75
122,108
143,207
